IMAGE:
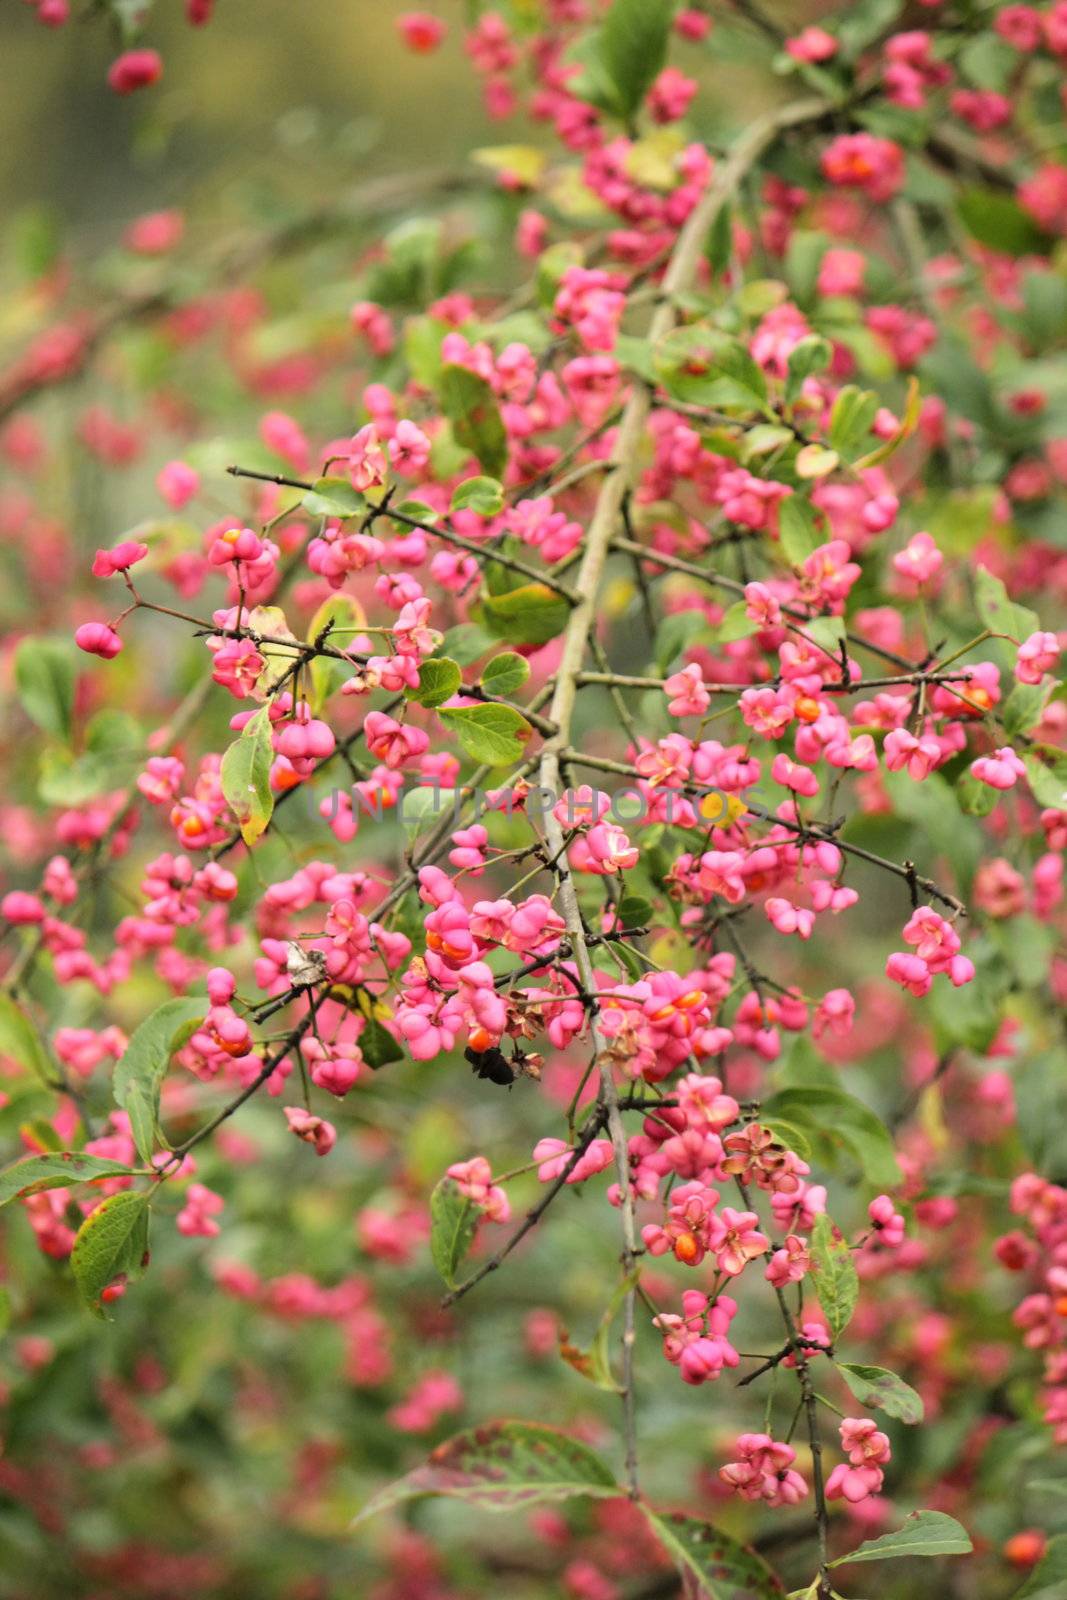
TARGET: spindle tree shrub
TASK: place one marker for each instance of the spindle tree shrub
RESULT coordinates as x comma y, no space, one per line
576,746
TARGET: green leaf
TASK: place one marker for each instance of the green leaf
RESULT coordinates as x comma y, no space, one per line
968,1016
798,530
531,614
621,952
736,623
864,20
998,611
988,62
139,1075
503,1466
67,781
721,1568
453,1220
416,511
834,1274
878,1387
44,679
757,296
812,354
484,495
505,673
333,623
465,643
1022,710
526,162
1047,779
422,349
1026,946
815,461
245,776
719,244
492,735
1048,1580
1053,1486
837,1115
803,259
633,47
763,438
787,1134
20,1040
976,798
959,519
439,678
634,911
58,1171
827,632
853,412
36,240
635,355
933,811
802,1067
552,264
377,1045
950,370
925,1533
674,634
998,221
595,1363
470,405
1039,1110
706,367
1044,308
426,803
333,497
113,1239
114,734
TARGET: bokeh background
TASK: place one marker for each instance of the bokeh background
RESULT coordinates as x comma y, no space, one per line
297,92
196,1447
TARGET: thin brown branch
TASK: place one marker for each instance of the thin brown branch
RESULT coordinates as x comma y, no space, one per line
533,1216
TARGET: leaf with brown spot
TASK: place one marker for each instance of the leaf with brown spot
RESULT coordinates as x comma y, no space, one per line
502,1466
60,1170
717,1566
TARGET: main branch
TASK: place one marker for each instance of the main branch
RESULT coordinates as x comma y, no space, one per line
603,529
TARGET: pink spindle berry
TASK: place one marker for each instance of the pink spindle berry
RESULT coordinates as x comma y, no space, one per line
887,1223
313,1130
421,31
135,69
178,483
98,639
1037,655
118,559
764,1471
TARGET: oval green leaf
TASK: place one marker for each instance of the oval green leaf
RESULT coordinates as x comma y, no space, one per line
139,1074
721,1568
925,1533
112,1240
60,1170
503,1466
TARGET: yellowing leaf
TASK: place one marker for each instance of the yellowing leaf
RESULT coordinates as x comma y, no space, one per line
271,620
245,775
346,616
112,1241
523,161
815,461
721,809
674,951
909,423
652,161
